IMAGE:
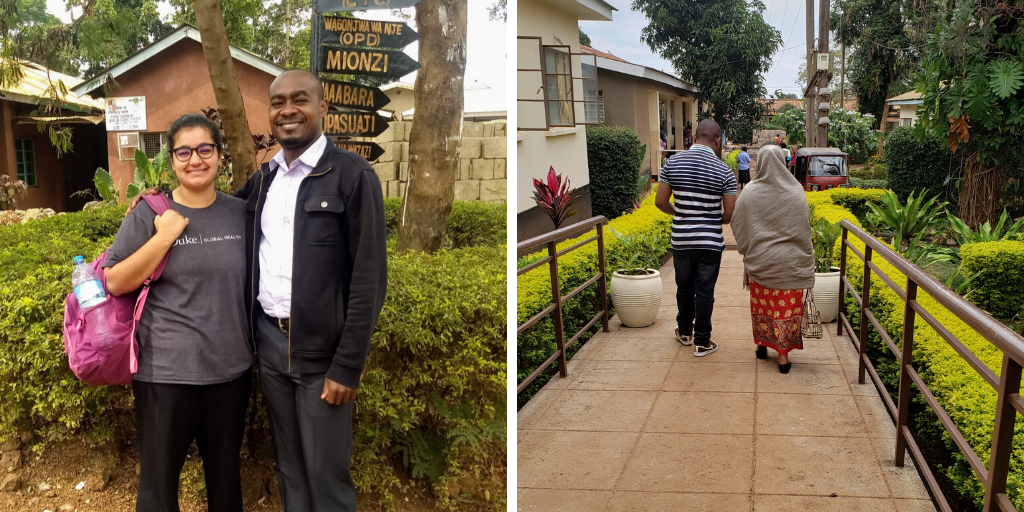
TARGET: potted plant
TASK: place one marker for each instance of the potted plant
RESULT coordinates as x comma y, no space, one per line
826,276
636,285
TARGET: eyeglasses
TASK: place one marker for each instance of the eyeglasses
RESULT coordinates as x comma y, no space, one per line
184,153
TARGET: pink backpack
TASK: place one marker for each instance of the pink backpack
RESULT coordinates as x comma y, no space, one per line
116,364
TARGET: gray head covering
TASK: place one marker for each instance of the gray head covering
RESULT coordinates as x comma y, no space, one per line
772,226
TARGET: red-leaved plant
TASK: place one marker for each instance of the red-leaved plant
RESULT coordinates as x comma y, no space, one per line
555,197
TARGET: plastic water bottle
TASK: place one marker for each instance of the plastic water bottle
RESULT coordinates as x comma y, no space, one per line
89,292
87,285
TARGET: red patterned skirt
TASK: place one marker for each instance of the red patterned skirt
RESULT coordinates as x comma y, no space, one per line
776,317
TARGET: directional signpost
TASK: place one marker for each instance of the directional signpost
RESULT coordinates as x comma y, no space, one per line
326,6
341,95
350,46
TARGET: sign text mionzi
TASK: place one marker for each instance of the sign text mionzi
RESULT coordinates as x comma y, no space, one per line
362,61
370,33
354,124
345,94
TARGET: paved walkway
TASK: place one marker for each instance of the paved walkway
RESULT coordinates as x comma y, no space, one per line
640,424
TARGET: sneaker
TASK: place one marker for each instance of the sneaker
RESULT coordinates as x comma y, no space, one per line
701,350
685,340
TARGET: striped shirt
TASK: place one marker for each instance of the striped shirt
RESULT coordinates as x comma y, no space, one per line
698,180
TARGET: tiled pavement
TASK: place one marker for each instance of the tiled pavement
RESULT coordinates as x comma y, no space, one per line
640,424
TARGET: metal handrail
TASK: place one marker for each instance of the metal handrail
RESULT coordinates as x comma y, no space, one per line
557,299
1007,384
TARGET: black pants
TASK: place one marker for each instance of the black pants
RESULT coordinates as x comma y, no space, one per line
169,417
312,438
696,274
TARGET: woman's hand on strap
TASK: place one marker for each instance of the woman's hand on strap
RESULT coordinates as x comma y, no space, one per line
135,202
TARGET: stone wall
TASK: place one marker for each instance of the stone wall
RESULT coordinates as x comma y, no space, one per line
762,137
482,170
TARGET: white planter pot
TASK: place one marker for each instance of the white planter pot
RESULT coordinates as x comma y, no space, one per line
826,294
636,298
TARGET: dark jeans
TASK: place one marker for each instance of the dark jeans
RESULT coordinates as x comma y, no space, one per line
696,273
169,417
312,438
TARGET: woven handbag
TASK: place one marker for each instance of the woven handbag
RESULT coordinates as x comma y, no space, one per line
810,322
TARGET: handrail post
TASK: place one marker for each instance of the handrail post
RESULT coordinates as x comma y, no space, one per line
865,297
842,288
906,364
604,277
1002,436
556,297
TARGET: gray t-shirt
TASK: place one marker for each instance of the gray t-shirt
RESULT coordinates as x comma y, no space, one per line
194,327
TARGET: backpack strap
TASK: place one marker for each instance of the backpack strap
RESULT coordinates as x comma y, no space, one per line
159,204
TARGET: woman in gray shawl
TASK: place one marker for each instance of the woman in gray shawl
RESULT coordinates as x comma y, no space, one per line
773,233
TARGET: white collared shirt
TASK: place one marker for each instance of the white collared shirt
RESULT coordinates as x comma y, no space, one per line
278,226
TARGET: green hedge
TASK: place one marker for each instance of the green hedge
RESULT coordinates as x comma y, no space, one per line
860,183
965,396
432,398
998,287
533,289
614,157
856,200
470,224
913,164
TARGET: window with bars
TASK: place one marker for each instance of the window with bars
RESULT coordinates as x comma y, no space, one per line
555,86
152,143
25,160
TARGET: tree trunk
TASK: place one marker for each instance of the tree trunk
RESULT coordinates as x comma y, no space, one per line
979,193
210,22
436,136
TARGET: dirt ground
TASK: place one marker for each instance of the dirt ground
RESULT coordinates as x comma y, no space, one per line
49,481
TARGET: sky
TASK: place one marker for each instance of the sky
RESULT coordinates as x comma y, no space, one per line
486,44
621,37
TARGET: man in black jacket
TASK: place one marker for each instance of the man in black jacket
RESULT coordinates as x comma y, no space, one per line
316,244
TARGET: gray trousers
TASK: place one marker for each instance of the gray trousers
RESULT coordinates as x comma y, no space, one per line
312,438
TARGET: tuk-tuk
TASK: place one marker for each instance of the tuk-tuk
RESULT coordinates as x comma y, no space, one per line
821,168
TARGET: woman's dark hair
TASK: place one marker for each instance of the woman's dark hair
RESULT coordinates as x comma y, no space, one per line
194,121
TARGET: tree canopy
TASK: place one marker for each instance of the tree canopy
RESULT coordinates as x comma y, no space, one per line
724,47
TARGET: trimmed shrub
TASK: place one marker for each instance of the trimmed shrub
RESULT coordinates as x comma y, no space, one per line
432,397
964,395
873,172
533,289
999,271
470,223
856,200
859,183
614,157
914,164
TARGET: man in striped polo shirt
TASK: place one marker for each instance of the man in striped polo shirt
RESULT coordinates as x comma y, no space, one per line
704,190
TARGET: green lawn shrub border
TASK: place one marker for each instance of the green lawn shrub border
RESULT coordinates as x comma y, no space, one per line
470,224
964,395
533,289
433,396
615,155
862,183
998,287
856,199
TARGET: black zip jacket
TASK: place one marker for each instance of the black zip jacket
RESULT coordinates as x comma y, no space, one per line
339,264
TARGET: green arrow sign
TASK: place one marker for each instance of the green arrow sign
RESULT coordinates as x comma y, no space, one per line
368,150
370,33
354,124
362,5
365,61
349,95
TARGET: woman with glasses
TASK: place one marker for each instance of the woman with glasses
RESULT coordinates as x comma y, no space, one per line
195,352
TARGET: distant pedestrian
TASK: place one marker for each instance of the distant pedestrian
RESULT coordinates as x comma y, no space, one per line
785,150
688,136
743,160
776,140
773,233
699,191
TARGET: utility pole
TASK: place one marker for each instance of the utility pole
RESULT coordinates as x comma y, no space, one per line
810,108
821,140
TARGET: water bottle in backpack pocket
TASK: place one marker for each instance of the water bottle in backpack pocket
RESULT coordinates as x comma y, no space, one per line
99,328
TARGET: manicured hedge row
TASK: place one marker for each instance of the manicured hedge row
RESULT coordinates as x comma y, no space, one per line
965,396
533,289
999,285
615,155
470,223
856,200
432,397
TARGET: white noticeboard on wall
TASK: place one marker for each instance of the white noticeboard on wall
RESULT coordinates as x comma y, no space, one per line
126,114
